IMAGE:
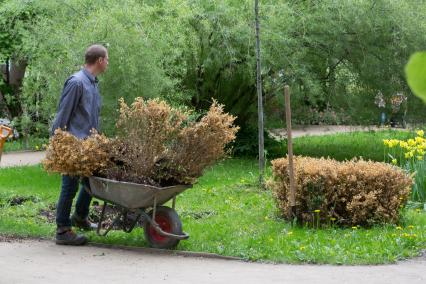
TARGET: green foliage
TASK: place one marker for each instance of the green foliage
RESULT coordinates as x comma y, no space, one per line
335,55
134,61
416,74
246,144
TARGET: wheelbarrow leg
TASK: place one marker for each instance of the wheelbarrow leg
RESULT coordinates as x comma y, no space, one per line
98,230
101,218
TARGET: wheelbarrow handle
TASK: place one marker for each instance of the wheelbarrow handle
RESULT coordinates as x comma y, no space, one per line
183,236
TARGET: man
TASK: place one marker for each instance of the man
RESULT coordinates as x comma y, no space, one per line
78,113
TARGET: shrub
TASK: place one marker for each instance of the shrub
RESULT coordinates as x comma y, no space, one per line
144,130
355,192
199,145
69,155
156,144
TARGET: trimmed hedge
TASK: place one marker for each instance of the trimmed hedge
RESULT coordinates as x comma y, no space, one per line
349,193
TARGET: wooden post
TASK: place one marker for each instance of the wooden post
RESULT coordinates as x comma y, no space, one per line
259,99
290,149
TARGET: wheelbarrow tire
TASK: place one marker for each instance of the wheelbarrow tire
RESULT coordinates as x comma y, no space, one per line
169,221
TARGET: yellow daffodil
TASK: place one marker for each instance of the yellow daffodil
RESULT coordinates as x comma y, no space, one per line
411,227
420,133
409,155
394,161
399,228
302,248
403,144
420,158
386,142
393,143
333,219
419,140
411,142
290,233
317,211
354,228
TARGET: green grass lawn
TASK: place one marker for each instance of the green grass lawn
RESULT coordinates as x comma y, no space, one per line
34,144
227,214
342,146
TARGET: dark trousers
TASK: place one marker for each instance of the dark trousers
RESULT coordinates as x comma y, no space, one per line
69,189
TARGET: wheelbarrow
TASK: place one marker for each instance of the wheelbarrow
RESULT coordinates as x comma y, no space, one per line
139,203
5,132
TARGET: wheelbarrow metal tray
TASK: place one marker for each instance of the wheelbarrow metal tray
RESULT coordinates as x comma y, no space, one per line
132,195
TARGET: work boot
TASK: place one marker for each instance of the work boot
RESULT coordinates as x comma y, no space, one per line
83,224
66,236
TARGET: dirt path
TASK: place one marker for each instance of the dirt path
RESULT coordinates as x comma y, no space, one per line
32,261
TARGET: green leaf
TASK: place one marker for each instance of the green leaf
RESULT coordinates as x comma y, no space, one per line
416,74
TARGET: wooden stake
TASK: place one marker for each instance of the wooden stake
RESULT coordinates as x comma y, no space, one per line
290,148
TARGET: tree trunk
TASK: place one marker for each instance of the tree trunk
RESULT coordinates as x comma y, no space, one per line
259,98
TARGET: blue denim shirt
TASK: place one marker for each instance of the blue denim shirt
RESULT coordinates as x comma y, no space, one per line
79,106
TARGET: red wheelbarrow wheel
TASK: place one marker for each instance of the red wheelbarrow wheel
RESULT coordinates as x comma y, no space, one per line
169,222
